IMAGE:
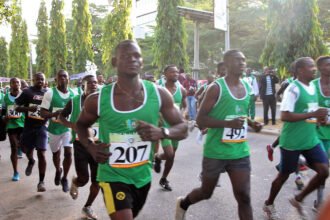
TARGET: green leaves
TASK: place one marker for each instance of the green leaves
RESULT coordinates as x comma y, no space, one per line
3,57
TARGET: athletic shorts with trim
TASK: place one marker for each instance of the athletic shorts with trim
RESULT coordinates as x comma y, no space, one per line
57,141
168,142
12,131
118,196
81,161
212,168
34,138
289,158
326,146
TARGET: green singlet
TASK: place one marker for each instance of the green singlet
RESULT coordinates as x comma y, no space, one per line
131,157
16,118
301,135
290,80
58,103
228,143
1,99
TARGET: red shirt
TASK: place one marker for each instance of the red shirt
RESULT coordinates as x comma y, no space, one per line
191,86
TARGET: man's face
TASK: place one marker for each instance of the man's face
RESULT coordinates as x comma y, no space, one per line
267,70
15,84
236,64
172,74
128,59
39,80
62,78
100,79
90,85
110,80
45,85
222,71
308,71
324,68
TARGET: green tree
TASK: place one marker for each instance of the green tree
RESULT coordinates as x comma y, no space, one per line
19,46
294,31
116,28
82,36
324,6
3,57
170,36
7,10
57,39
42,48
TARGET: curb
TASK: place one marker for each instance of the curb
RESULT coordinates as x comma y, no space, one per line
267,131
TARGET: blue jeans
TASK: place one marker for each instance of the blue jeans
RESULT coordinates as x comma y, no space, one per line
191,102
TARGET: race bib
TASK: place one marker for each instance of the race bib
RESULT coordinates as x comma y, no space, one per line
95,129
311,108
12,113
55,119
328,122
36,114
128,150
231,135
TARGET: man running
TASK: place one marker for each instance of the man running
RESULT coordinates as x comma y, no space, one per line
14,120
322,86
81,157
299,109
224,112
34,135
169,146
52,104
252,81
128,113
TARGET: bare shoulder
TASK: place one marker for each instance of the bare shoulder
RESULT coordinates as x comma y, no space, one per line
90,102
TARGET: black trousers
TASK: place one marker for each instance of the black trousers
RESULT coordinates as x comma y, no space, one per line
269,101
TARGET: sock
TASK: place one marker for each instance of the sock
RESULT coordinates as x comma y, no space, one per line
185,203
298,175
320,194
41,177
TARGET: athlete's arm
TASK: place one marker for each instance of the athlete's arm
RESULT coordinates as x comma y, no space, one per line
184,96
64,114
203,118
83,126
321,115
45,105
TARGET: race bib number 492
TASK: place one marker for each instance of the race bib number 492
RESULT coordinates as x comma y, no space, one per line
128,150
231,135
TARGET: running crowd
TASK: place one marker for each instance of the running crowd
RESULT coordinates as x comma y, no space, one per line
115,131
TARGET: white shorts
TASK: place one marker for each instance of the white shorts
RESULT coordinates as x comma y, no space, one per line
57,141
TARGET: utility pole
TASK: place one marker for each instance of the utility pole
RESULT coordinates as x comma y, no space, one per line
227,36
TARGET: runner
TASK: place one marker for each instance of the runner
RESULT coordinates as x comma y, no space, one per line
14,120
52,104
34,135
78,89
128,113
100,80
224,112
299,109
322,86
169,146
202,89
81,157
221,69
252,81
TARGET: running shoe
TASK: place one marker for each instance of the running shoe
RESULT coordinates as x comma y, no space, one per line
19,154
179,212
88,213
316,206
299,183
15,177
271,212
29,168
302,167
163,182
57,178
270,152
157,166
65,185
298,205
74,189
192,125
41,187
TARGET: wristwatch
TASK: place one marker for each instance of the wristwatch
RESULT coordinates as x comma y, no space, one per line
166,132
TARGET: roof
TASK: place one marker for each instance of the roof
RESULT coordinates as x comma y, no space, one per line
195,14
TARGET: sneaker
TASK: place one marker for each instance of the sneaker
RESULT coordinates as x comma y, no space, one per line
192,126
29,168
298,205
157,164
41,187
316,206
302,167
270,152
65,185
179,212
271,212
88,213
299,183
19,154
165,184
57,178
74,189
15,177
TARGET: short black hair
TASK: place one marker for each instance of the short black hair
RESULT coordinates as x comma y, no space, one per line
124,44
228,54
61,71
11,79
300,62
220,65
181,70
87,77
320,60
168,67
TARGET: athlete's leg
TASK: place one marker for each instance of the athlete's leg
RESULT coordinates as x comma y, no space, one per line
168,165
124,214
42,164
57,160
67,161
14,149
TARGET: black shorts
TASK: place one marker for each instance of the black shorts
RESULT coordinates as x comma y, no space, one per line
34,138
118,196
13,131
81,160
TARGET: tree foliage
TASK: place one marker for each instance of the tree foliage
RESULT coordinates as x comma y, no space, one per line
42,48
19,46
3,57
57,39
324,18
7,10
294,31
82,36
116,28
170,36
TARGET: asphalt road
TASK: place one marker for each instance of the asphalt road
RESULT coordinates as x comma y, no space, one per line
20,200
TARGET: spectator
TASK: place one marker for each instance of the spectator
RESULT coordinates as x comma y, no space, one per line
221,70
267,93
181,77
190,85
